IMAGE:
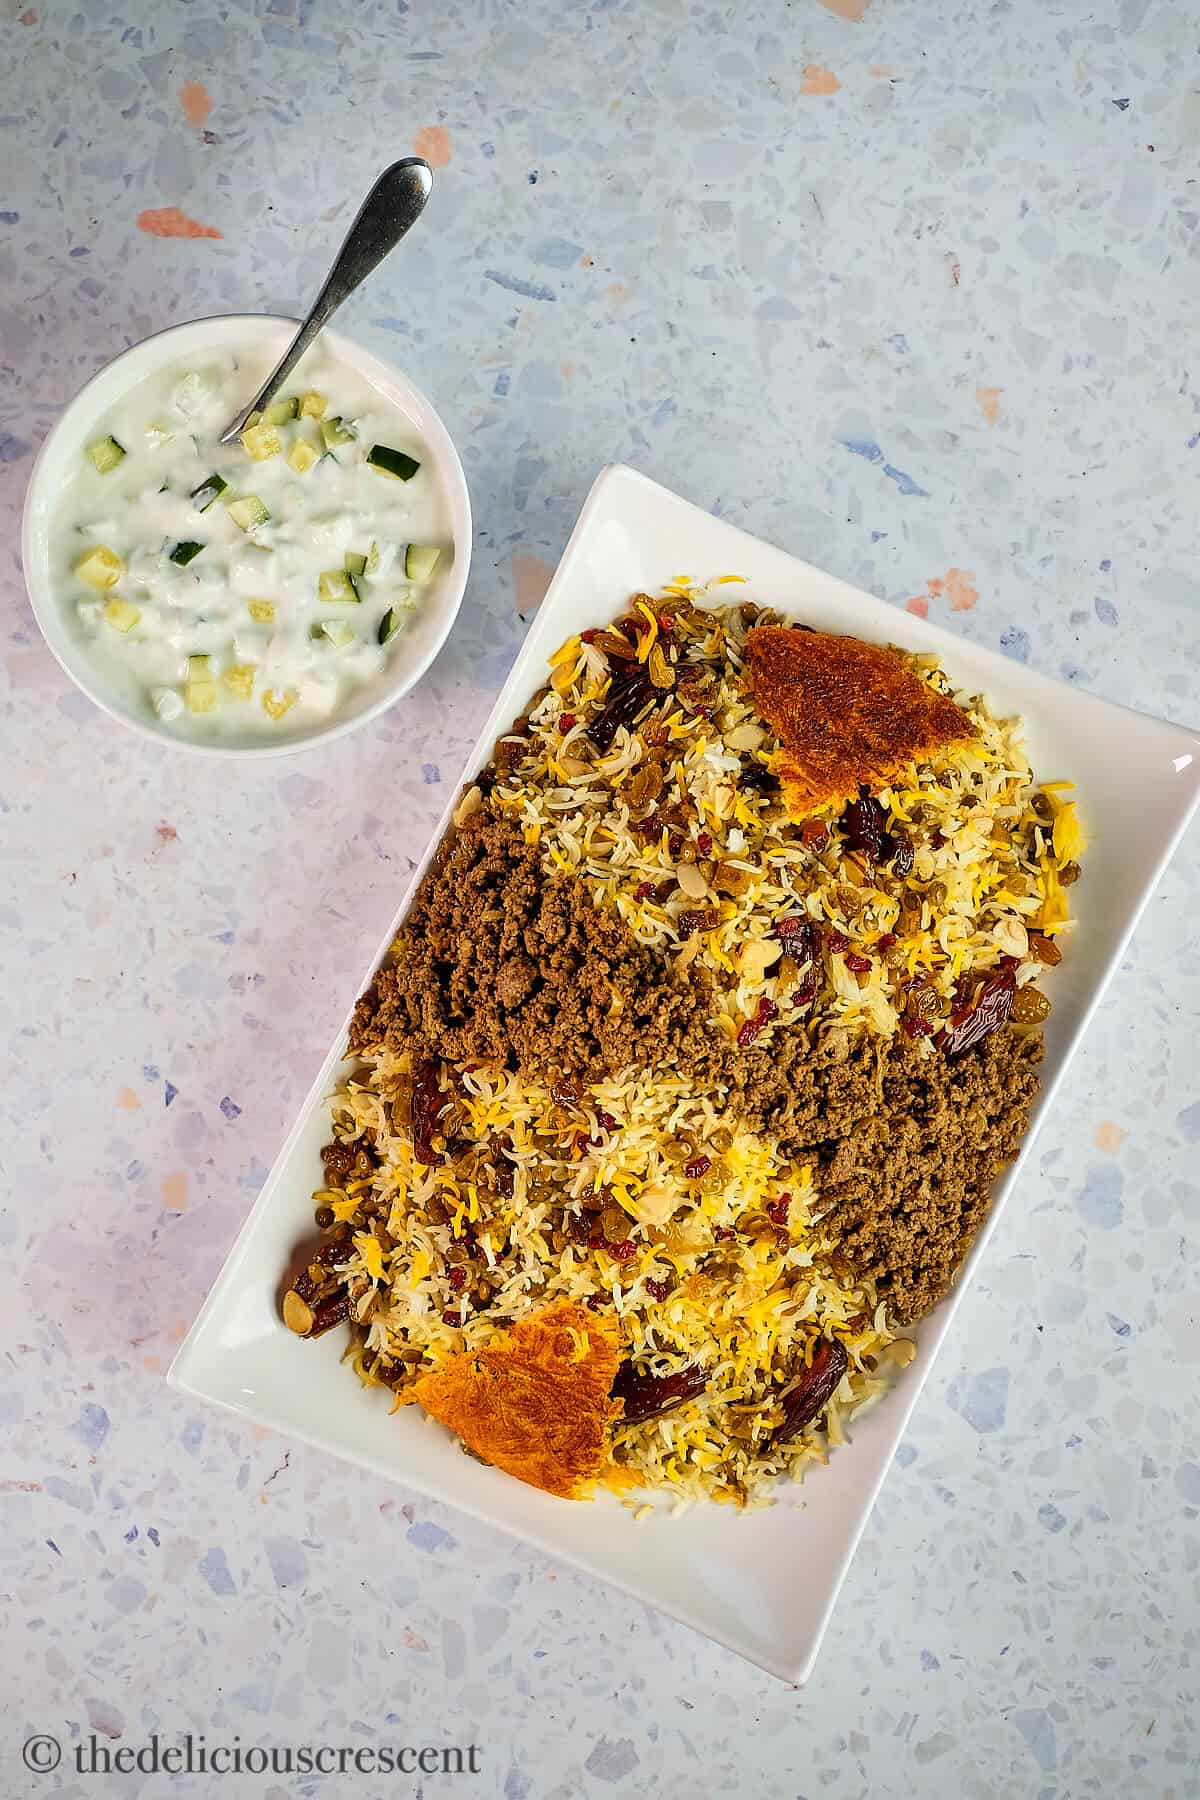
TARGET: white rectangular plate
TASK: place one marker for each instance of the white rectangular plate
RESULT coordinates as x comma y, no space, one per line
763,1583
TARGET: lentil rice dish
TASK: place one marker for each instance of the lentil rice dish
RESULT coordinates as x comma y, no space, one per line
681,1094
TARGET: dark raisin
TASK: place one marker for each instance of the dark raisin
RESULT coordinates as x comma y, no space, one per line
858,965
427,1108
691,922
799,936
863,822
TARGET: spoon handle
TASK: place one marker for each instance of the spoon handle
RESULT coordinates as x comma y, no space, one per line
392,206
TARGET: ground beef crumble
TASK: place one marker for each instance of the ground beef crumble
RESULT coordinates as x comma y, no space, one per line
908,1146
499,962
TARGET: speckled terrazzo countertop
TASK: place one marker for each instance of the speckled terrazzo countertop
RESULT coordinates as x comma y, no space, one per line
908,289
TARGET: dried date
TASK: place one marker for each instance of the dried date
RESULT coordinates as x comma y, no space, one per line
993,1005
814,1390
649,1396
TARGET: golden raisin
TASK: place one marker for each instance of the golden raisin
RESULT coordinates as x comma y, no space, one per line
614,1223
1045,949
1030,1006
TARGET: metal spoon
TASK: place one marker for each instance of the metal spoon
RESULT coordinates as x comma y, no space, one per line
393,204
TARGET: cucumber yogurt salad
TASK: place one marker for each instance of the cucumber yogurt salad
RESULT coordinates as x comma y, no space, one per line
252,587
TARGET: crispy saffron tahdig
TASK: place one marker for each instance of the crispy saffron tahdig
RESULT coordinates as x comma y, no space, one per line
684,1087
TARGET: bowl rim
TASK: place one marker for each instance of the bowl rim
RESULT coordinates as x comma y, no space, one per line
44,605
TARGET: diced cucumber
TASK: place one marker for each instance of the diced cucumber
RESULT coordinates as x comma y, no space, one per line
356,564
190,394
420,560
372,568
210,489
312,405
185,552
335,432
336,584
100,568
261,441
261,611
302,456
105,454
200,690
392,462
275,705
239,679
390,624
157,435
336,631
280,411
121,615
167,702
248,511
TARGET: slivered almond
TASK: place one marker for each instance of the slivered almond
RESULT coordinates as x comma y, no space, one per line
691,881
745,737
468,806
756,957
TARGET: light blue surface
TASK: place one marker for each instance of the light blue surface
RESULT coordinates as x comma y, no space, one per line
650,243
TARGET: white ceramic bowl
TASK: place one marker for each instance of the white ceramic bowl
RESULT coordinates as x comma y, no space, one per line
440,601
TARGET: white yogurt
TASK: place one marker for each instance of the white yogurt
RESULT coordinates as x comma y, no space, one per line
249,601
